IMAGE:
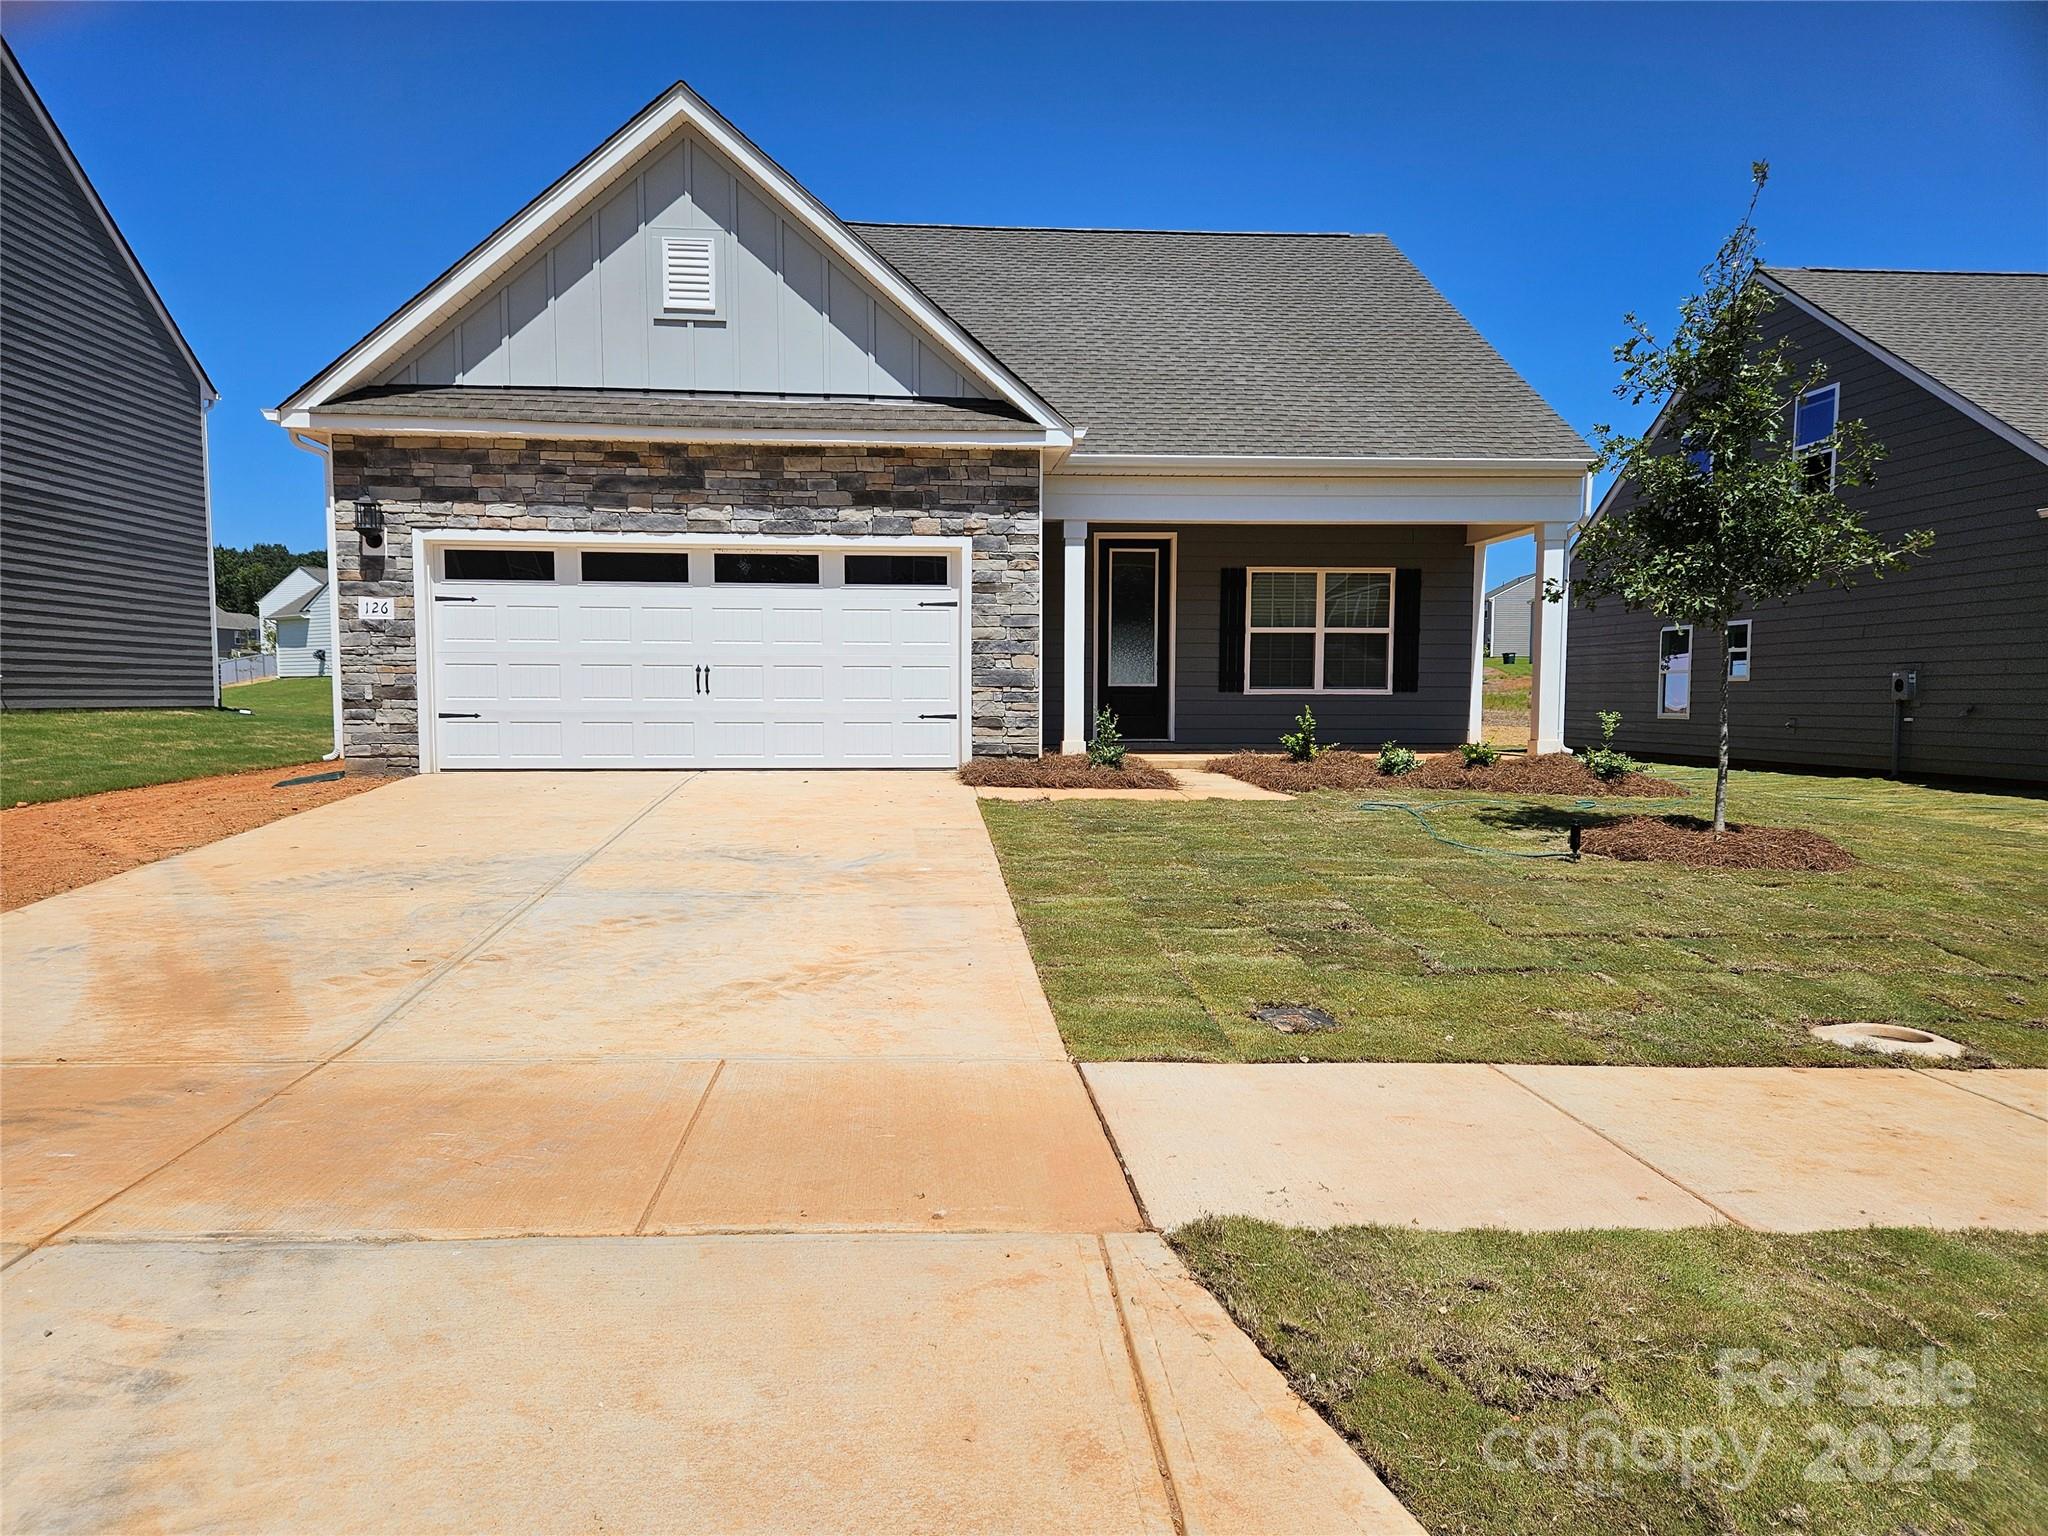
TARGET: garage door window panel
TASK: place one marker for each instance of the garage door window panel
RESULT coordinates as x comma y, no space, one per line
637,565
498,565
736,569
896,571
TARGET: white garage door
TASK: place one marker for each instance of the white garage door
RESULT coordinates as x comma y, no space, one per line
617,656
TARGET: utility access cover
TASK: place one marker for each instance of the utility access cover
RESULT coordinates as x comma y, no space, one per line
1295,1018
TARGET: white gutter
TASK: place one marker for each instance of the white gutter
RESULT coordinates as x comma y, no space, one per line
313,445
1079,463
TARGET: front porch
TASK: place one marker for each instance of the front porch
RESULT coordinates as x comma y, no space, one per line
1208,628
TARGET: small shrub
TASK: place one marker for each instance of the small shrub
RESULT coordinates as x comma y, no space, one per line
1606,761
1106,746
1479,754
1301,743
1396,759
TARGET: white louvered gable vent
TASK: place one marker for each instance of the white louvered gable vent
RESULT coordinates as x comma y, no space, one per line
689,275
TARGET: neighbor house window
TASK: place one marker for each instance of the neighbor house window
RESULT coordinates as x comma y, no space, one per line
1738,650
1674,672
1312,631
1814,419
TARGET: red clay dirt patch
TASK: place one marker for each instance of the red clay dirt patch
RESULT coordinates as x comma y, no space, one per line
1063,771
62,844
1555,773
1688,840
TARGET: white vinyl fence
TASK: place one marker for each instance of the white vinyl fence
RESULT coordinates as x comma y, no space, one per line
247,669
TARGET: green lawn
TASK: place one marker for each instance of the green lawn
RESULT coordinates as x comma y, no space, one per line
1507,687
54,754
1157,927
1431,1350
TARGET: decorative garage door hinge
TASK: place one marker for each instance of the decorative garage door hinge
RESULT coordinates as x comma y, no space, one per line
938,717
440,598
444,715
938,605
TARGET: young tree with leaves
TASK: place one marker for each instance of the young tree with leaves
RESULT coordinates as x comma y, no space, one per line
1725,512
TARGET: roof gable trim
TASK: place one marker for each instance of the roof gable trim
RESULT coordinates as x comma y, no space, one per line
677,107
1892,360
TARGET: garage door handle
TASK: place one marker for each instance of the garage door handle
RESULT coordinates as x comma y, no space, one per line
440,599
938,605
444,715
938,717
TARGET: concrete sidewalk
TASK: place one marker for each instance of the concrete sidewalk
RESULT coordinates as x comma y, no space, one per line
1536,1148
549,1152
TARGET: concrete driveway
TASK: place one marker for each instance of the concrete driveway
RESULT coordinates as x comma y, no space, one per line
572,1151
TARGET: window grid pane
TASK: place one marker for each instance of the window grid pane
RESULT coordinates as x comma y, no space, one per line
1355,600
1283,660
1283,600
1355,661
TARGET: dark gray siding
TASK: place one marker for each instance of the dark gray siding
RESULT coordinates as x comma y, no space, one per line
105,575
1436,714
1971,617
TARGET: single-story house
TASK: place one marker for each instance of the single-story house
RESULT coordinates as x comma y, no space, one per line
106,591
1510,609
1938,670
302,608
678,468
234,632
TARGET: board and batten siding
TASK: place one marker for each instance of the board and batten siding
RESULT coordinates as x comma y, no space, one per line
302,637
1971,616
106,591
585,310
1436,714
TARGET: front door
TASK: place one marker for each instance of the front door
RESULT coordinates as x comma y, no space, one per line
1134,608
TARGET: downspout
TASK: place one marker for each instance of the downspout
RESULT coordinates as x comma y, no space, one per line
207,400
313,445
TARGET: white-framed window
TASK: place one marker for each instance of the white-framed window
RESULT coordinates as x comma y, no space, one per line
1736,636
689,275
1674,672
1309,630
1815,415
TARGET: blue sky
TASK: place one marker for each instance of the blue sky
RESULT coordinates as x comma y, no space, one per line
290,173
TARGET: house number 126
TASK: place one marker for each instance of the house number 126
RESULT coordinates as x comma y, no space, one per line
374,610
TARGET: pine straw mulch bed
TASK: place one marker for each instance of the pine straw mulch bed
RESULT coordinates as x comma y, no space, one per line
1688,840
1063,771
1555,773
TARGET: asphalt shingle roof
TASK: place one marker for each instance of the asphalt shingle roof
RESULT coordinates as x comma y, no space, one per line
681,408
1173,342
1983,334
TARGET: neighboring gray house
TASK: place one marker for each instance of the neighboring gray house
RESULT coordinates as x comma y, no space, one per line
1949,372
302,607
106,585
1509,608
679,469
234,632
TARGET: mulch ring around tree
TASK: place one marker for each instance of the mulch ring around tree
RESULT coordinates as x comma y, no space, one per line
1691,841
1063,771
1555,773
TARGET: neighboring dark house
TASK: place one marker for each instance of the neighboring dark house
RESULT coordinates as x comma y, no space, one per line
106,549
680,469
1949,372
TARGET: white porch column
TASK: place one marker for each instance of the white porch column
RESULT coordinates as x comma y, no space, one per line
1475,728
1074,636
1546,643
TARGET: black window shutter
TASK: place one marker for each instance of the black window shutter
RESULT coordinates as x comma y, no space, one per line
1407,630
1230,631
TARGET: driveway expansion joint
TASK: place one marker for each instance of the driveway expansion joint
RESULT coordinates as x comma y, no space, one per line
675,1157
1952,1078
1144,1390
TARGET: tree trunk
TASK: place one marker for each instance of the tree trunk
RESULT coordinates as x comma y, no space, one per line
1721,759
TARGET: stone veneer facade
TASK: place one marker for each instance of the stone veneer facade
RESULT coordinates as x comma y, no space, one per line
991,495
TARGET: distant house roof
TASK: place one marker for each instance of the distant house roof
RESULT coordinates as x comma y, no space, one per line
291,596
817,416
1525,579
1981,335
222,619
1185,343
